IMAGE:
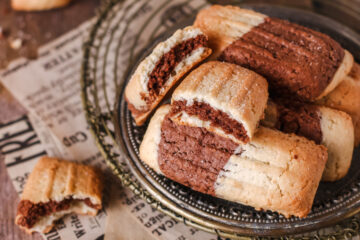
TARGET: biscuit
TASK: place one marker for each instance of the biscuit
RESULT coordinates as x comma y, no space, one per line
56,188
229,99
297,62
162,69
329,127
284,169
37,5
346,97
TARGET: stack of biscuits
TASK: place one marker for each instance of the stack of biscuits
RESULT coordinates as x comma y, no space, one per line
270,113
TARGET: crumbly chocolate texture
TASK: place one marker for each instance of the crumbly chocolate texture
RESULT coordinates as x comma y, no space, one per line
31,212
167,63
193,156
297,62
301,119
134,111
217,118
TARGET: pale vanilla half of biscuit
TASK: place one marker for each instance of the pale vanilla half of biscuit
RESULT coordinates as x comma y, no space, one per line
162,69
274,171
56,188
329,127
37,5
230,99
346,97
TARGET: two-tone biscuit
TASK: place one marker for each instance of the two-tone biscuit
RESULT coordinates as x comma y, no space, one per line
283,169
56,188
346,97
162,69
229,99
297,61
329,127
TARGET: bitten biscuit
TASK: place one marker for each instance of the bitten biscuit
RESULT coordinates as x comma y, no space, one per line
297,61
162,69
56,188
346,97
284,169
37,5
228,98
329,127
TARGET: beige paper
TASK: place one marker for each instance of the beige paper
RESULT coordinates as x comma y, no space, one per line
120,224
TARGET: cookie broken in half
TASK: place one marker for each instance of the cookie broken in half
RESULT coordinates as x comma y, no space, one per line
56,188
162,69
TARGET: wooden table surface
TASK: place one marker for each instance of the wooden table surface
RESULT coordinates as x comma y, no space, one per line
34,29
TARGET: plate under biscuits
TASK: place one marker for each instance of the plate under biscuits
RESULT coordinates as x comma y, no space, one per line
333,202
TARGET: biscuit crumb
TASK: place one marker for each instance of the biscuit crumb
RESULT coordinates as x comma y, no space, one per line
16,43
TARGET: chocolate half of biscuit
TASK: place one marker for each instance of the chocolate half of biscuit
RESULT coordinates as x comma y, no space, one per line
272,165
158,72
56,188
329,127
229,99
298,62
